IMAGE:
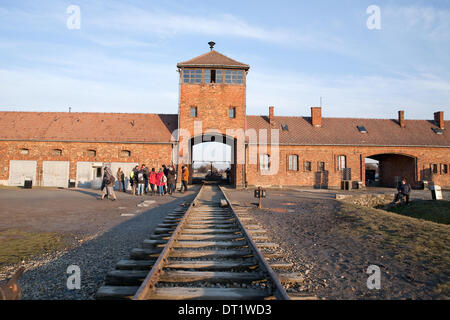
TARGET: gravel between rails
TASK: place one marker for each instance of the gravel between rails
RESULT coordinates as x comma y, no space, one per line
96,255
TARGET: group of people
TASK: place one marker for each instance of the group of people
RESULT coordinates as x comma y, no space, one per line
143,180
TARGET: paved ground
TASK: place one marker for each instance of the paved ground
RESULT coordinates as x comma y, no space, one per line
102,236
333,261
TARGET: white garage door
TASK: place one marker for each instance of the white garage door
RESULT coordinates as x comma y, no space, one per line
55,174
21,169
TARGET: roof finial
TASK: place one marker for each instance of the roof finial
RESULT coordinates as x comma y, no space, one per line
211,45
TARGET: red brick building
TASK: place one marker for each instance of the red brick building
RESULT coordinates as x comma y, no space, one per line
55,148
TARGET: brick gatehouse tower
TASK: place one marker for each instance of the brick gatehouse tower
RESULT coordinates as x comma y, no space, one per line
212,102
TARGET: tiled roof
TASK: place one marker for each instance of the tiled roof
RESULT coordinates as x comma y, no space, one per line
88,127
213,59
344,131
157,128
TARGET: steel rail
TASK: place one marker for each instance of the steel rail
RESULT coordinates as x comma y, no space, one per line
279,291
153,276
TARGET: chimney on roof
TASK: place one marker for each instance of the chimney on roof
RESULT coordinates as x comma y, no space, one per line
439,119
316,116
401,118
271,111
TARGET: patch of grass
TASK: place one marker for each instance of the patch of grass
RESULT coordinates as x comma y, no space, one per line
407,240
436,211
17,245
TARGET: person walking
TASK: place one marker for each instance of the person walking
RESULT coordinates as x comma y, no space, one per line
160,182
152,181
171,180
404,189
140,182
108,182
121,179
184,179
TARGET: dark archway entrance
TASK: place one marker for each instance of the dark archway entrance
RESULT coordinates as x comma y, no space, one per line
386,170
211,162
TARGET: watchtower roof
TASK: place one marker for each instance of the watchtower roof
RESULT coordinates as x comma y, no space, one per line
213,59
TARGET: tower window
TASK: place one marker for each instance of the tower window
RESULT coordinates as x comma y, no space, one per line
192,76
194,112
235,76
232,112
213,76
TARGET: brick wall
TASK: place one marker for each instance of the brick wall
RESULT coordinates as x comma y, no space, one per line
153,155
355,160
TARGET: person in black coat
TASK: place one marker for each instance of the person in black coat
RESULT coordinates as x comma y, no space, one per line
404,190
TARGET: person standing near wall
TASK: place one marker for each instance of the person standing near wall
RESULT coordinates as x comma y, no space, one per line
171,180
160,182
146,177
121,179
140,182
152,181
184,179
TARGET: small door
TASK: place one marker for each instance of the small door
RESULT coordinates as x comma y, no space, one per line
19,170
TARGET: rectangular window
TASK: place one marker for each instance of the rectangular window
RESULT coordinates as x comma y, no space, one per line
194,112
198,76
238,77
293,163
444,169
434,168
232,112
192,76
264,162
208,76
98,172
322,166
341,162
307,166
227,76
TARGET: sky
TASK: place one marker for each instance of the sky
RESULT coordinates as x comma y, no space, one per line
123,56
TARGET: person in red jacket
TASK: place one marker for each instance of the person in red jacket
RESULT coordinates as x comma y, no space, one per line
160,182
152,181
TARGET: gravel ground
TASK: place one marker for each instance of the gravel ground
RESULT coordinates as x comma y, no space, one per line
333,265
101,237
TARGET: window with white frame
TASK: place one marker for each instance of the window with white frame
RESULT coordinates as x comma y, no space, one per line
341,162
293,162
264,162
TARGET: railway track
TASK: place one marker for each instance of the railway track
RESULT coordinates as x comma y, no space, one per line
202,252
